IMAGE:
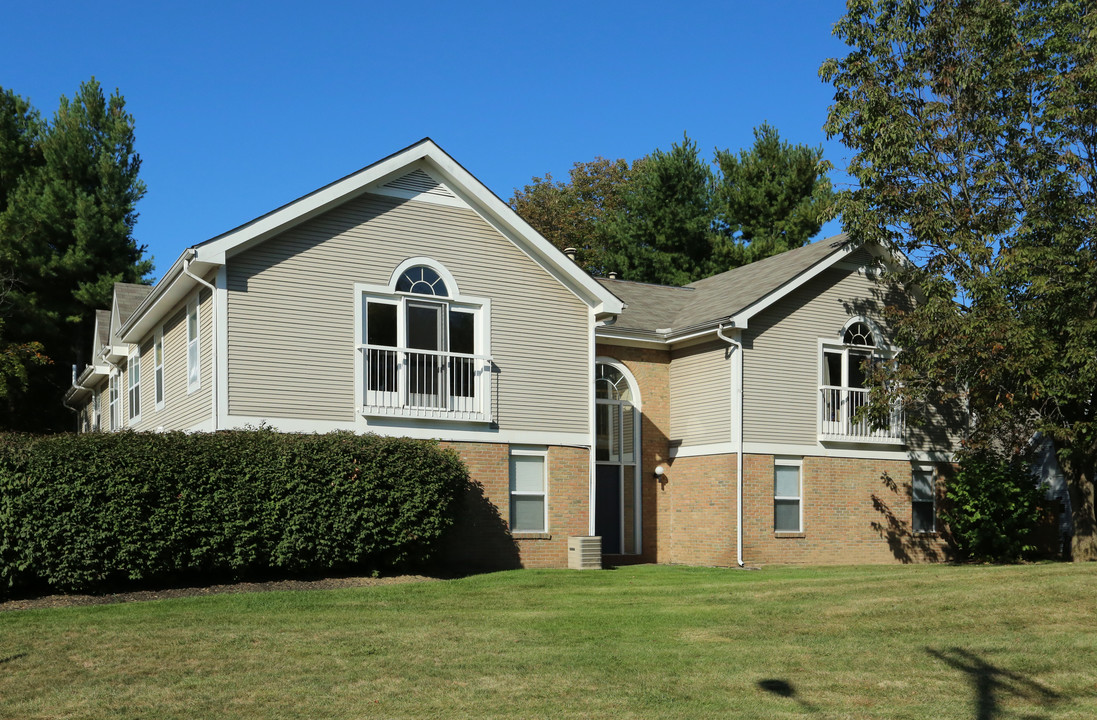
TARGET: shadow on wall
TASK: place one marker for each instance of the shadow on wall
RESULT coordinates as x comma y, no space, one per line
479,539
905,544
989,682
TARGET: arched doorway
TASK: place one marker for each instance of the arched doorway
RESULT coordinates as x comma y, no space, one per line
617,459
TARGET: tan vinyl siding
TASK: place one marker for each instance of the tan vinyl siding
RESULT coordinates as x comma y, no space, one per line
291,307
700,395
182,410
781,375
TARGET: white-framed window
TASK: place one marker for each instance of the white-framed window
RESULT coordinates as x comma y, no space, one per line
194,350
423,348
95,408
158,367
844,368
617,501
923,500
133,383
114,401
528,496
788,506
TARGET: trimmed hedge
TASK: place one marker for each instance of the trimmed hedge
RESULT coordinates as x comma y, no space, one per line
93,512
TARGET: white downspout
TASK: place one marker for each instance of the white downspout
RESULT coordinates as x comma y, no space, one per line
188,257
737,420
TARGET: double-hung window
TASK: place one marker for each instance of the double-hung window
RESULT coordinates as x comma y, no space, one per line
194,357
113,401
528,508
923,501
423,353
158,367
133,381
787,496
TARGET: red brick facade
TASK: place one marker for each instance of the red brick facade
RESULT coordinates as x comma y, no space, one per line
482,539
854,510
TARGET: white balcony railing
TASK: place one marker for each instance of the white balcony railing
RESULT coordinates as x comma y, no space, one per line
403,382
839,419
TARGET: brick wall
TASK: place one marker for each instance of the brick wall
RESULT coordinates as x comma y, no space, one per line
651,368
854,511
482,539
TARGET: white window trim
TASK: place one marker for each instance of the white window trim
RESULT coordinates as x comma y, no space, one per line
480,307
797,463
114,401
544,494
637,461
96,411
159,390
932,470
194,380
133,387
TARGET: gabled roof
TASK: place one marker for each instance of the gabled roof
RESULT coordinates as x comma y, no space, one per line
102,331
422,167
729,298
647,306
128,296
736,290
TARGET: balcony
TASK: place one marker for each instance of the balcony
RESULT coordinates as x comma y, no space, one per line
839,420
416,383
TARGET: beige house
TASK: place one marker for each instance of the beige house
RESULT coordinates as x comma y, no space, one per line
407,299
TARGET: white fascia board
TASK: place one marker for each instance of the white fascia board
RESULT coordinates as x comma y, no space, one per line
461,182
172,289
742,318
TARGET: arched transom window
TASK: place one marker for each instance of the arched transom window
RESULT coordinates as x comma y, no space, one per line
859,333
617,460
422,280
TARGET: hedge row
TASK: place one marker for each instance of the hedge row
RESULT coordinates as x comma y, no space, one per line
106,511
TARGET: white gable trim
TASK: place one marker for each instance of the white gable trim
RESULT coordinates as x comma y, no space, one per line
428,156
742,318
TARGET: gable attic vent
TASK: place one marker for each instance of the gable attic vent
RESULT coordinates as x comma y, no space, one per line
419,182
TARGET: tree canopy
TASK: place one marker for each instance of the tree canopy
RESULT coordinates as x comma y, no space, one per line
68,195
672,217
974,130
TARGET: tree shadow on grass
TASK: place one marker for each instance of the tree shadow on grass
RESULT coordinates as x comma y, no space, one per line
990,681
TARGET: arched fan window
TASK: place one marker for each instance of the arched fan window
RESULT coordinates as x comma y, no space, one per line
859,333
422,280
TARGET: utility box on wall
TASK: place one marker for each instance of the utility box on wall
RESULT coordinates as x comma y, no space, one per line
585,552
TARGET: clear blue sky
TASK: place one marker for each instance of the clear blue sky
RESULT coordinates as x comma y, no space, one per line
241,107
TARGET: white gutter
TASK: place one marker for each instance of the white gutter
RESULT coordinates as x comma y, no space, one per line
737,422
188,257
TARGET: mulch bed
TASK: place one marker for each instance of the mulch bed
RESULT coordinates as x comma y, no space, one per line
52,601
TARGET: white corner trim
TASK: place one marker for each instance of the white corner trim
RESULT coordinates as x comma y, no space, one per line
221,346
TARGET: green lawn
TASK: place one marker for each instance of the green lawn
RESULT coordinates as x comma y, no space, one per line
884,642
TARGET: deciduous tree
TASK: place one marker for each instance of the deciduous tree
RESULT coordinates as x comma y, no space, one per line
974,130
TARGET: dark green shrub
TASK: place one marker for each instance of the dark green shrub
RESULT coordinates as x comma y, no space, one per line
994,509
91,512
